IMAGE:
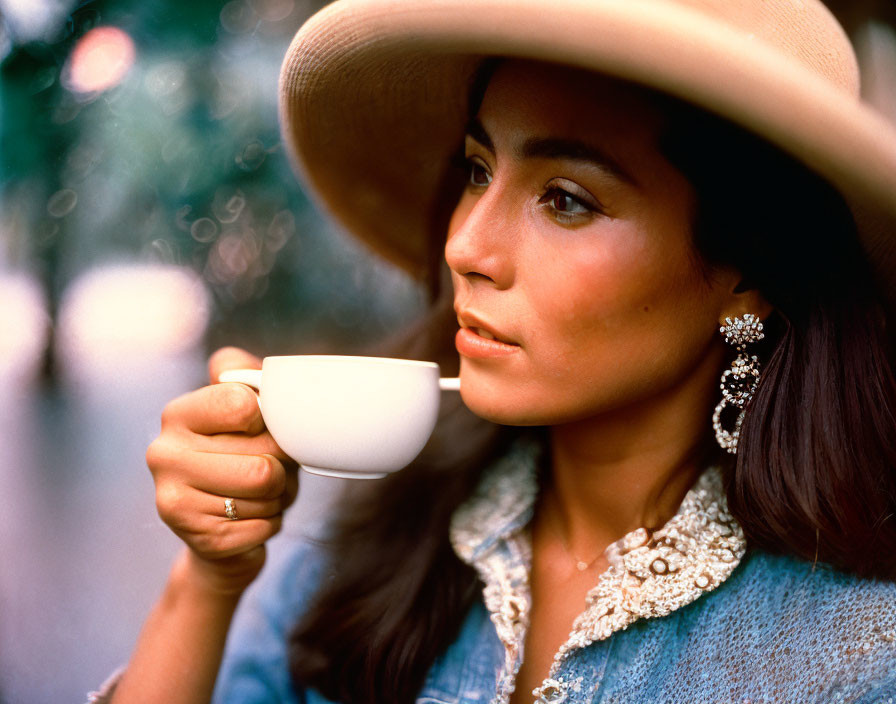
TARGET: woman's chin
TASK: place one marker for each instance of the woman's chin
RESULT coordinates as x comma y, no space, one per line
503,407
501,415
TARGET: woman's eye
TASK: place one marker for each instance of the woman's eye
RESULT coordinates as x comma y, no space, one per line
565,205
479,175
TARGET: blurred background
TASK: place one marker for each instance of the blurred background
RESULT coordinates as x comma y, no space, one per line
148,215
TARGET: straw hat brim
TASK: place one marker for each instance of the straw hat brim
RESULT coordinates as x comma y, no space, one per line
373,103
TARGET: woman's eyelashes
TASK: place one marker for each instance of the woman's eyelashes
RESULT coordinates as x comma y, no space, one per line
567,202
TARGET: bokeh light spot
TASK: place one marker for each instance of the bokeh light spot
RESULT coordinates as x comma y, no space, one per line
61,203
113,316
100,60
238,17
165,78
180,218
273,10
204,230
168,84
82,159
65,111
229,210
230,258
42,80
281,229
162,251
252,156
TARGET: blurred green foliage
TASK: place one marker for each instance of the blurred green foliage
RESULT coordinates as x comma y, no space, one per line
181,162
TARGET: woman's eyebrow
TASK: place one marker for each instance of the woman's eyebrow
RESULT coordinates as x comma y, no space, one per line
556,148
574,150
477,132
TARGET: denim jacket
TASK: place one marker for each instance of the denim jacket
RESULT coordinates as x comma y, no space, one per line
685,614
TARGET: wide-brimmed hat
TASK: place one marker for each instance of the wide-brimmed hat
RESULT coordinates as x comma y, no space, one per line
374,97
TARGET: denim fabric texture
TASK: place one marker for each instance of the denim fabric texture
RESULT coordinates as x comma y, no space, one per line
777,630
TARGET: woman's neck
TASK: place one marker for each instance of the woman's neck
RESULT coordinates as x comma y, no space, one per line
630,469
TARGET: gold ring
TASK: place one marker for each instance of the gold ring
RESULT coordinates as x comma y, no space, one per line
230,509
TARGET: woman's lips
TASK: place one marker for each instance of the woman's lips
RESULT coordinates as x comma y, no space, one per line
480,344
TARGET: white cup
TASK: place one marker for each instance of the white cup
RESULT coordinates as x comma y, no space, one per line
350,417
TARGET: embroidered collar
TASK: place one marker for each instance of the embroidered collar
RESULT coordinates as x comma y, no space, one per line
649,574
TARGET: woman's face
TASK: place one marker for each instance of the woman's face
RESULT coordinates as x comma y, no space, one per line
572,244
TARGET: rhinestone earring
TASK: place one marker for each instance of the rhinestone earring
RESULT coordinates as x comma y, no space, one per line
740,382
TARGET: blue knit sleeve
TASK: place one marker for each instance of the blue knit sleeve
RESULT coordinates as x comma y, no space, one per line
255,668
883,693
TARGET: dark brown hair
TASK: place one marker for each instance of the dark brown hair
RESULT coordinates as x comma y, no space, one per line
814,475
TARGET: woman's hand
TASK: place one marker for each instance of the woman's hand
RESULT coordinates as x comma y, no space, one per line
214,446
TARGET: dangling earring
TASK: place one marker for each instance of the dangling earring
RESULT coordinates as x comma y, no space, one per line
740,382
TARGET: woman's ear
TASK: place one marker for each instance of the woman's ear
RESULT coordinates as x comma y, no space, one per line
744,298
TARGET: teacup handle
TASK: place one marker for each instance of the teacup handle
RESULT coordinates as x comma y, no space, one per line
449,384
249,377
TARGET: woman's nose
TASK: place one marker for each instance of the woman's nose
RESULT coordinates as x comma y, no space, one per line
481,239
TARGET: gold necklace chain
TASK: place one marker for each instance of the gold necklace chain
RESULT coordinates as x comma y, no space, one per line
581,565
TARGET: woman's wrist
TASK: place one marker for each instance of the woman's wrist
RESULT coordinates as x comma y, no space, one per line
180,648
222,580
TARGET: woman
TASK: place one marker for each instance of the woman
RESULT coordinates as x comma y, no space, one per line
732,544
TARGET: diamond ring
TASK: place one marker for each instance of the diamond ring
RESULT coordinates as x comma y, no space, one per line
230,509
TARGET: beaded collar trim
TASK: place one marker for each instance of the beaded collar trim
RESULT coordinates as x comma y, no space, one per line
650,575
